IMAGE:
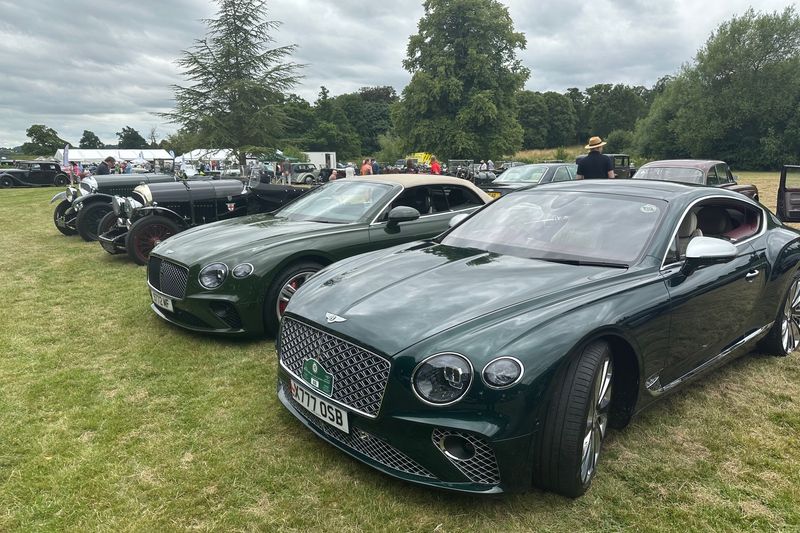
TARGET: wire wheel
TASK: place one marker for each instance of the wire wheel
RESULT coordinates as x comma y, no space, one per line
146,233
790,320
597,419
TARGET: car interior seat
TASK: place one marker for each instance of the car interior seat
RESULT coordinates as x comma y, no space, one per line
686,231
422,201
714,221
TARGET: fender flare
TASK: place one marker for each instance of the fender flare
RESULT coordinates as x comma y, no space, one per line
60,196
157,210
92,199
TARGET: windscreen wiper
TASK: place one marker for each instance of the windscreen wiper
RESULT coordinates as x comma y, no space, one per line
584,262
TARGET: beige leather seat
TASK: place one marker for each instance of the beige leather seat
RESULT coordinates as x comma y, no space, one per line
686,231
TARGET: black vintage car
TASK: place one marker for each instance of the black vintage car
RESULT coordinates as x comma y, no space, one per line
622,165
33,174
157,211
80,209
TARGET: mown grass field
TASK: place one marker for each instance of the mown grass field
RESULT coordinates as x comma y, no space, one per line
112,420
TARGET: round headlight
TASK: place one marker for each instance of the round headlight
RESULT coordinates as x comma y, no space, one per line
146,194
116,205
442,379
242,271
128,207
89,185
70,194
213,275
502,372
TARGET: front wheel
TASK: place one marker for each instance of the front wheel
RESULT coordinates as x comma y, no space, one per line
89,218
576,422
60,180
281,291
784,336
145,234
60,218
6,182
107,223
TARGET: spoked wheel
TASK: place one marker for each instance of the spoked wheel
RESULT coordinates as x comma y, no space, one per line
597,421
286,284
60,180
60,218
89,218
576,421
145,234
784,337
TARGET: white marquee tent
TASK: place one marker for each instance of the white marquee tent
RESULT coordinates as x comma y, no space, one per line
205,154
95,156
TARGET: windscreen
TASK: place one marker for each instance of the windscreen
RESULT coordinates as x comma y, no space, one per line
578,227
681,175
338,202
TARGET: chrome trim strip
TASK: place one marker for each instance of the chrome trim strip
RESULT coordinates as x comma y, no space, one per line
165,295
419,365
519,378
749,202
711,362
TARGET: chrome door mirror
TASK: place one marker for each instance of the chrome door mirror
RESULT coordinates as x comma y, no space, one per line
708,251
456,220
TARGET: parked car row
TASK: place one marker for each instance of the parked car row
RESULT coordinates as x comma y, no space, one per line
476,340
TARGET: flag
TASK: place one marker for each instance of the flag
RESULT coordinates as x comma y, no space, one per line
65,163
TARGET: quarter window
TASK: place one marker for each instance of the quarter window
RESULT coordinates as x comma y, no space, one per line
562,174
724,173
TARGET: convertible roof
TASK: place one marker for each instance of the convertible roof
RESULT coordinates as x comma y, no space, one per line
414,180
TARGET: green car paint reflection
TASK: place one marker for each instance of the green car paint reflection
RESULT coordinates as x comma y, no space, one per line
496,356
237,276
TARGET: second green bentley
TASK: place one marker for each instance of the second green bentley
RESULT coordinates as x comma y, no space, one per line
237,276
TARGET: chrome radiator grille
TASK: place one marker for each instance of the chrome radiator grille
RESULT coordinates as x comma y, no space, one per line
481,467
367,444
166,277
359,376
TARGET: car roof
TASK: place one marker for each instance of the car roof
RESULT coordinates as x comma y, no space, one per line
656,189
700,164
414,180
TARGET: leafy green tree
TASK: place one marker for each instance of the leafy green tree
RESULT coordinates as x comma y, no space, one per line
368,112
561,119
130,138
43,141
90,140
533,116
461,101
332,131
614,107
300,120
237,81
578,99
391,148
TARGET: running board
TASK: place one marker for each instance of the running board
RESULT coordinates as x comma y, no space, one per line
653,384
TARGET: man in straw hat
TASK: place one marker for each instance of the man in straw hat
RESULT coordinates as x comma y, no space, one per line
595,165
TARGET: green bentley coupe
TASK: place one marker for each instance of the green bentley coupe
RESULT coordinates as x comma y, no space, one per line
237,276
497,355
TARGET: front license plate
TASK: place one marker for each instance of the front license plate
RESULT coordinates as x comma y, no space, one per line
161,301
320,408
494,194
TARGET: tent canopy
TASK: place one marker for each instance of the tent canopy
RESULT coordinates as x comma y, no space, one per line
206,154
95,156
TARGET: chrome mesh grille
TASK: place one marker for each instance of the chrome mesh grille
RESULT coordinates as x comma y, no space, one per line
359,376
366,444
167,277
481,467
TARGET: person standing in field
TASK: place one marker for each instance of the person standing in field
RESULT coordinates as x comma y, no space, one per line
595,165
376,168
436,168
366,168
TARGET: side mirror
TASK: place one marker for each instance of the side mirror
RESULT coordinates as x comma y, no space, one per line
456,220
707,251
402,213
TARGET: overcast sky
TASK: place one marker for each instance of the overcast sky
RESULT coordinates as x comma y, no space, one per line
101,65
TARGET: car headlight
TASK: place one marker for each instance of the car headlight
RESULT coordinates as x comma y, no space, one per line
129,205
145,193
442,379
242,271
71,194
89,185
116,205
213,275
503,372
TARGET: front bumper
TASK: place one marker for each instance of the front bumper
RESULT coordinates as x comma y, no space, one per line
113,241
406,448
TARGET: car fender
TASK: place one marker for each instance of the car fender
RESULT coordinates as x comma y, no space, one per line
92,199
162,211
59,197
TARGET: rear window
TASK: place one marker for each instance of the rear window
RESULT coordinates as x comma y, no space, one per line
679,174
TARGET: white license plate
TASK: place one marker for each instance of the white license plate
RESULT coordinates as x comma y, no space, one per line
320,408
161,301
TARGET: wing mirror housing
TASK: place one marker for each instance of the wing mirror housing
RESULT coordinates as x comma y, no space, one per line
402,213
456,220
704,251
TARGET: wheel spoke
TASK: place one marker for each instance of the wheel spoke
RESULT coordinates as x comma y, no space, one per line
795,295
795,328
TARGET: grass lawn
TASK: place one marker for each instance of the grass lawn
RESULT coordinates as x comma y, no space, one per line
113,420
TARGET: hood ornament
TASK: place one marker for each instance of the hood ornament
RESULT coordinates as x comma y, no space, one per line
331,318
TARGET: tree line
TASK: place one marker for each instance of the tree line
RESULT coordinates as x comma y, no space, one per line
736,100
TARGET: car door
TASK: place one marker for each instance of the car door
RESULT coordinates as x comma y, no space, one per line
714,306
436,204
789,194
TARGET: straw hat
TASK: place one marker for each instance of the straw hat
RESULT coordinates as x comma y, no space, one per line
595,142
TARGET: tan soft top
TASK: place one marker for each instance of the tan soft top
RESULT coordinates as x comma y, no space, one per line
414,180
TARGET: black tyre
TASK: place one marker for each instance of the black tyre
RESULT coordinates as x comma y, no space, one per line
59,214
308,180
146,233
784,336
6,182
60,180
576,422
282,289
108,222
89,218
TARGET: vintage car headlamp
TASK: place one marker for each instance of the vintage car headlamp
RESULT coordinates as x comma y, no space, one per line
503,372
242,271
71,194
442,379
213,275
89,185
116,205
145,193
129,205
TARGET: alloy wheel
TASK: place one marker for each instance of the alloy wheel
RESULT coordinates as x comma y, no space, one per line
597,420
289,288
790,321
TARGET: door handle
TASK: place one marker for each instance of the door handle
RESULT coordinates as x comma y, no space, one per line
753,274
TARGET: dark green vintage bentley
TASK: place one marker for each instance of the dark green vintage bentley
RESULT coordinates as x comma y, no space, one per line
495,356
236,276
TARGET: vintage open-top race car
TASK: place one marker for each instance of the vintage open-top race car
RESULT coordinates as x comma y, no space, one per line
154,212
81,208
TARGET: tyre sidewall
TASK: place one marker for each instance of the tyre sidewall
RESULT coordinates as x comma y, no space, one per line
58,212
93,211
